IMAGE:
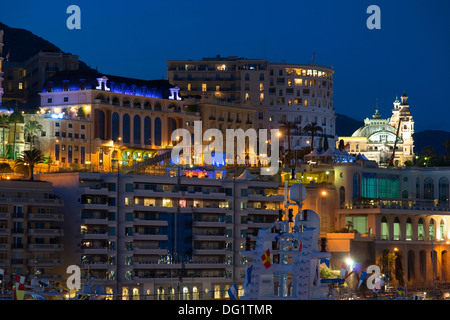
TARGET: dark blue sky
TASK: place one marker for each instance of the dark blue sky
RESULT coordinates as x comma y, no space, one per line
135,38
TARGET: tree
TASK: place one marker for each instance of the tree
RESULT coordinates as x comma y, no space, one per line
15,117
4,121
288,127
30,158
447,146
341,145
312,128
31,130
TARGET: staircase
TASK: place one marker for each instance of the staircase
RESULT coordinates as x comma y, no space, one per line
164,156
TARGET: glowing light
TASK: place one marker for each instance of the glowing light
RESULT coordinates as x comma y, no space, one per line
349,262
324,193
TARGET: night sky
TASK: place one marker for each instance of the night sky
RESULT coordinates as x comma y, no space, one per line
135,38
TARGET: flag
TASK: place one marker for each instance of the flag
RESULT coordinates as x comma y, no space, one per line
326,261
316,275
361,278
344,270
20,282
378,284
19,288
2,272
232,292
7,56
248,276
300,246
266,259
401,292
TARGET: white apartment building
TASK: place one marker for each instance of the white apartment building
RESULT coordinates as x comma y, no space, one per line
278,92
175,234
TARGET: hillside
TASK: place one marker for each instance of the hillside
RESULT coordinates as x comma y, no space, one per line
23,44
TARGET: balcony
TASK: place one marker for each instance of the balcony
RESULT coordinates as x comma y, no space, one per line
45,247
45,217
148,222
5,216
149,250
45,262
46,232
155,237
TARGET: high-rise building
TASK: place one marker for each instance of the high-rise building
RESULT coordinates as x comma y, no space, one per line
31,231
278,92
174,234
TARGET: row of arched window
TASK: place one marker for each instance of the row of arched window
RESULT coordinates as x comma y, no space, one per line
126,102
419,231
428,190
140,135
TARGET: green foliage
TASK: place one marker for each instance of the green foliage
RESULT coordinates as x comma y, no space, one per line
81,113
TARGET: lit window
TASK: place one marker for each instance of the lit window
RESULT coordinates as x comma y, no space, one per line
189,87
261,86
247,97
298,82
289,82
261,97
20,85
203,86
289,102
217,88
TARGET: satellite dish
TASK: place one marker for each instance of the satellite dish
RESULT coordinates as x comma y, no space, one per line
297,192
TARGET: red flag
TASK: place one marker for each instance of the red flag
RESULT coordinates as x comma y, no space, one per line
316,276
19,287
300,246
266,259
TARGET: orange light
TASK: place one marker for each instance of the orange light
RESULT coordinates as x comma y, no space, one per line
324,193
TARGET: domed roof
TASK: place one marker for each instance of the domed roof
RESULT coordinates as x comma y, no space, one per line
369,129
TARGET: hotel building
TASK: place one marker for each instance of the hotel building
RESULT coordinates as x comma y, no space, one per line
278,92
174,234
94,121
31,232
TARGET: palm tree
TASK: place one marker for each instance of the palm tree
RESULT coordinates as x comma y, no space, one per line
4,121
288,127
31,129
15,117
29,159
313,129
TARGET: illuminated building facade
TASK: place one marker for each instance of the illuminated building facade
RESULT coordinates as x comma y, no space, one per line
31,233
174,234
378,137
92,120
278,92
401,210
99,120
